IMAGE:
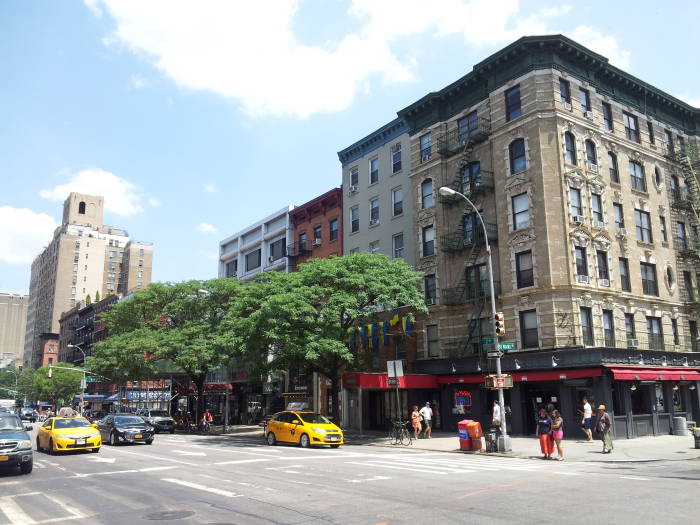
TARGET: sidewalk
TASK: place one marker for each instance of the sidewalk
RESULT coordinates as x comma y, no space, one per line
661,448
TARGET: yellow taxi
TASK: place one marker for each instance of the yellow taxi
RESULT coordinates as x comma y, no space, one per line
304,428
60,434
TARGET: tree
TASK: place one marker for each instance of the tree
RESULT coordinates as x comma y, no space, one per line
302,319
97,296
179,322
9,382
61,388
88,300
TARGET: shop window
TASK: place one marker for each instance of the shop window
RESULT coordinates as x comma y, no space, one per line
640,400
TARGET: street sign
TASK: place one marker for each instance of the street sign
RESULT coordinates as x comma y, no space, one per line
394,368
487,340
392,381
506,347
93,379
494,354
492,382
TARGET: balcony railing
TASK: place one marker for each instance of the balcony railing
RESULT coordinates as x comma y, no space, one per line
455,141
471,187
298,249
688,247
470,292
460,239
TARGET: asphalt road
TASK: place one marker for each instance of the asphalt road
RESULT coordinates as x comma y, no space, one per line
187,479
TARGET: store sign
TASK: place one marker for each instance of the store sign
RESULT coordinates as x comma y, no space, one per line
463,398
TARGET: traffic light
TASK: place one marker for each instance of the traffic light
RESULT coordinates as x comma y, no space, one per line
499,324
50,374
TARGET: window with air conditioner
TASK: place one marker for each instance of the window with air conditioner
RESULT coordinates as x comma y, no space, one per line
603,269
373,211
575,204
354,177
585,99
619,216
591,156
430,287
426,147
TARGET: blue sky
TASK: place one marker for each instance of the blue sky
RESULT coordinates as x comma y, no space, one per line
196,119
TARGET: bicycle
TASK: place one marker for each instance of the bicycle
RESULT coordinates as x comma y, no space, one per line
399,433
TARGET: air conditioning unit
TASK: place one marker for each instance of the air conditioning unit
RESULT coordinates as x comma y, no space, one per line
270,259
604,282
425,157
632,343
580,219
316,242
599,224
372,222
622,232
567,105
592,167
583,279
588,114
352,189
430,301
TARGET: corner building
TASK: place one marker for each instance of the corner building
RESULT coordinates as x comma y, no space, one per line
585,178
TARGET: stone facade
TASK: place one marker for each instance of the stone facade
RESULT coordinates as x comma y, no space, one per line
13,320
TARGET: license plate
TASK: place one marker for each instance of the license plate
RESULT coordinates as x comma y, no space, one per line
4,458
335,438
79,441
138,436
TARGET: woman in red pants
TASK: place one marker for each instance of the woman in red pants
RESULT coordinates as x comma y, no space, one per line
544,432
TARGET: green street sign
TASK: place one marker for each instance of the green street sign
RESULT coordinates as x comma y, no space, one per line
487,340
506,347
93,379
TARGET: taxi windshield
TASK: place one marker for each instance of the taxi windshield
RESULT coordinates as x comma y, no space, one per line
71,423
314,418
10,422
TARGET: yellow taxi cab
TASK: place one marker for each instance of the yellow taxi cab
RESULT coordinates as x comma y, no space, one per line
60,434
304,428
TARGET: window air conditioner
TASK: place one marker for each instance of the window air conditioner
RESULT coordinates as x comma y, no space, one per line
425,157
578,218
567,105
353,188
592,167
430,301
372,222
270,259
584,279
316,242
632,343
622,232
588,114
599,224
604,282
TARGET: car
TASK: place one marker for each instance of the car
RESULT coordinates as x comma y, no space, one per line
160,420
15,444
63,434
302,427
125,428
28,413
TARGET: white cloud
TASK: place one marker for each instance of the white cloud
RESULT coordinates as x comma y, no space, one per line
605,45
23,233
154,203
243,50
210,188
205,227
690,99
93,6
121,196
138,82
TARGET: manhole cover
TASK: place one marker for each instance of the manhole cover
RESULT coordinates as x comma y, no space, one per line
169,515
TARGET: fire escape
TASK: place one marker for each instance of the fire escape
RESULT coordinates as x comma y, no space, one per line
296,250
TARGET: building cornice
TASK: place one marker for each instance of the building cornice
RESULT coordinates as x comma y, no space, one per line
374,140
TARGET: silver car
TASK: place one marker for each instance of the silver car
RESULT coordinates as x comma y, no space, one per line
160,420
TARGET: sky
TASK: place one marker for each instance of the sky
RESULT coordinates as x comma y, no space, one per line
197,119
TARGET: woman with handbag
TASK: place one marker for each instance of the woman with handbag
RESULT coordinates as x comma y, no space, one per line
544,429
558,433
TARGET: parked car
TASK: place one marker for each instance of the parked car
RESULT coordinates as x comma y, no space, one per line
61,434
160,420
125,428
304,428
28,414
15,445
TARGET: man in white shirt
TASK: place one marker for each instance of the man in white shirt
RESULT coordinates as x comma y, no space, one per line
496,415
427,414
586,420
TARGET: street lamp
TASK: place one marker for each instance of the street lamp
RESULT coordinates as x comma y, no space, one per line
504,440
82,384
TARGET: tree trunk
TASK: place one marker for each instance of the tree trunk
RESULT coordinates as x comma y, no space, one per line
335,395
199,383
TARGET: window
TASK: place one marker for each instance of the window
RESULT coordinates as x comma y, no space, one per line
232,268
111,242
575,202
111,275
397,201
643,222
430,288
521,211
396,158
277,249
607,117
426,193
428,240
397,242
639,180
81,208
581,261
112,266
656,336
523,268
139,274
112,254
650,129
670,148
471,177
516,152
658,178
565,91
630,330
689,290
374,247
603,270
619,216
76,256
513,109
467,126
432,340
609,328
141,251
681,144
252,260
662,227
140,263
597,207
77,245
354,176
649,284
570,147
302,241
675,188
674,330
682,238
318,232
72,291
75,267
426,147
355,219
612,163
374,171
631,127
373,211
693,327
139,284
591,155
587,326
585,98
528,329
333,229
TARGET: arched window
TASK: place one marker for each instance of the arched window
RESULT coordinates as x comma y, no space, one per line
81,208
591,156
516,152
612,163
570,147
426,193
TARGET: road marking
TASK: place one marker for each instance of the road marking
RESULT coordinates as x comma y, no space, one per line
154,469
128,471
162,458
634,478
74,513
188,453
375,478
14,512
39,465
218,492
399,468
103,460
568,473
298,482
238,461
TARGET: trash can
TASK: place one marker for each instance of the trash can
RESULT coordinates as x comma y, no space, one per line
475,434
696,435
491,442
680,427
463,428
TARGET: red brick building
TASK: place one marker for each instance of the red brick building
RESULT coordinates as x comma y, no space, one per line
318,228
49,349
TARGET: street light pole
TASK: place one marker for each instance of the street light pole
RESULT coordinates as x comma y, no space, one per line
83,384
504,440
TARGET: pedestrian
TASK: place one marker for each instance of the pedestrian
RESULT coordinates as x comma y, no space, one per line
496,415
603,426
415,422
558,433
427,414
544,432
586,420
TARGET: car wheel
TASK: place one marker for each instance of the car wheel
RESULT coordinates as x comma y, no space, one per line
50,449
113,439
304,441
149,442
27,467
271,439
172,431
38,446
96,450
335,446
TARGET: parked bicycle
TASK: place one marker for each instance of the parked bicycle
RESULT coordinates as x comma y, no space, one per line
399,433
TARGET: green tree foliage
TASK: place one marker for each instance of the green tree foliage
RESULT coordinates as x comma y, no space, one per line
88,300
302,319
97,296
9,382
60,388
179,322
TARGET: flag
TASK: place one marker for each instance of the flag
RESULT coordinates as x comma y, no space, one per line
395,320
363,336
375,336
407,323
385,329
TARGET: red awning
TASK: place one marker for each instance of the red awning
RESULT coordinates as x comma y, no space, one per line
645,373
358,380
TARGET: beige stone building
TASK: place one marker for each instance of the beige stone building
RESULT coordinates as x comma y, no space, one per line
13,320
84,258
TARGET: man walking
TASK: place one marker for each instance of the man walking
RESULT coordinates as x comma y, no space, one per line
496,415
586,420
604,426
427,414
